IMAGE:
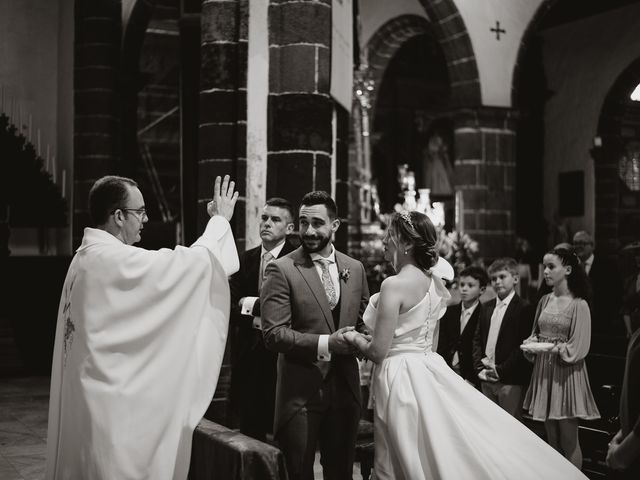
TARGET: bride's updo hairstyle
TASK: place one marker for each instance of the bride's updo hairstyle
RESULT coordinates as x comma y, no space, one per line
415,229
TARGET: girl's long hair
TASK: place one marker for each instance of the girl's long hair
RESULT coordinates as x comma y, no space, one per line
577,281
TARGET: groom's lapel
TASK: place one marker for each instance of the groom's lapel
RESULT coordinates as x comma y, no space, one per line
346,287
307,269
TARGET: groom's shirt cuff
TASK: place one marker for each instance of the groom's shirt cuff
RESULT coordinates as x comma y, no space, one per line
323,348
247,305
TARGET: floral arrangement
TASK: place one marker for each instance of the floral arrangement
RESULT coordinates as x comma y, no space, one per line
459,249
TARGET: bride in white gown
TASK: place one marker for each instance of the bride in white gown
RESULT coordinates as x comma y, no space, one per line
428,422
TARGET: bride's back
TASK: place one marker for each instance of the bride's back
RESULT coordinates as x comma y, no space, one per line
416,317
412,286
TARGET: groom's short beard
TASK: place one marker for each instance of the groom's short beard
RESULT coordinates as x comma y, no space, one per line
322,242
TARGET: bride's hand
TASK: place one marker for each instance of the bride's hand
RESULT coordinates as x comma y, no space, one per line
350,336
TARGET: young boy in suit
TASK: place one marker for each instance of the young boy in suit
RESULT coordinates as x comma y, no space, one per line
459,323
505,322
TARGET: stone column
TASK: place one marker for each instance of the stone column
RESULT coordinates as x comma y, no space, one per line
300,138
98,34
223,104
222,136
484,146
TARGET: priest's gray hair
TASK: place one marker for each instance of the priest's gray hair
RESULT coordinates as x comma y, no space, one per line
108,194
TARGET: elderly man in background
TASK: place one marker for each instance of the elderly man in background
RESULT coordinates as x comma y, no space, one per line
139,341
606,286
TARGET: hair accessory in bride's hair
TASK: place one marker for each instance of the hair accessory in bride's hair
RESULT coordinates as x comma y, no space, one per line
406,216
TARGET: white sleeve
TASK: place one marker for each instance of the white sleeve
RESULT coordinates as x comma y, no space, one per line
247,305
218,239
323,348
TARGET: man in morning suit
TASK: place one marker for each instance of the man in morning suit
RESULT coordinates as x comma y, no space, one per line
309,299
606,286
253,376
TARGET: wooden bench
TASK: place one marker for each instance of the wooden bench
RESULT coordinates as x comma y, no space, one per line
221,453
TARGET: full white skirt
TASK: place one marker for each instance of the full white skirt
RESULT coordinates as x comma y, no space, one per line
431,424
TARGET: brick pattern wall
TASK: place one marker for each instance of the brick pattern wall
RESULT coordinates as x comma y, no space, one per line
223,103
451,33
300,137
98,31
222,135
485,173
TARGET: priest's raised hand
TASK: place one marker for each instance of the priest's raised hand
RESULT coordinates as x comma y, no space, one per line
139,341
224,198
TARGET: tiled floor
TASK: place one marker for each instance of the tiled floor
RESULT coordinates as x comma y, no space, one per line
23,427
24,405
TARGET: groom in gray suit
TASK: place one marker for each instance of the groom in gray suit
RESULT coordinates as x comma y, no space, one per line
308,299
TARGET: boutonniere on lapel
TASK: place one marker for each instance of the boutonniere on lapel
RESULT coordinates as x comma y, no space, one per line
345,274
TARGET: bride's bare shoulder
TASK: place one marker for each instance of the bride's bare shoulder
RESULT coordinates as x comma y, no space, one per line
394,284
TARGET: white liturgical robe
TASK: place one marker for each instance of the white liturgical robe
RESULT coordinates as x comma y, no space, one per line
138,348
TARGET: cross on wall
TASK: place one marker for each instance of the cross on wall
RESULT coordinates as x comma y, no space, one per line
497,30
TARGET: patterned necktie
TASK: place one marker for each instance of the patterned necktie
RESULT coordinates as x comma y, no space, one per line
329,287
266,259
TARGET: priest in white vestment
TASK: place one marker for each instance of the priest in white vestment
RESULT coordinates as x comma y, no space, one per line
139,342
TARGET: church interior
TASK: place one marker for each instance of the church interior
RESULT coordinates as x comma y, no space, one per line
512,124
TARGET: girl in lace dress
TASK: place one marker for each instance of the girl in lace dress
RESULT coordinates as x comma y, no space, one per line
559,393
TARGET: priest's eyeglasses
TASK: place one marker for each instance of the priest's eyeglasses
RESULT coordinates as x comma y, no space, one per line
140,213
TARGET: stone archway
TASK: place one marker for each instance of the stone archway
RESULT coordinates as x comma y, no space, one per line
404,51
382,50
525,45
386,42
537,108
617,208
452,35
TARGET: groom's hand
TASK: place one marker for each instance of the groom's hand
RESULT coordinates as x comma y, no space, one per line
338,344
